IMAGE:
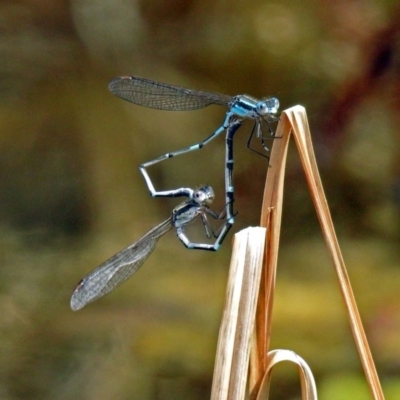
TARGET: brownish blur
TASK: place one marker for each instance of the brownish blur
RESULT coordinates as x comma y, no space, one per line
71,194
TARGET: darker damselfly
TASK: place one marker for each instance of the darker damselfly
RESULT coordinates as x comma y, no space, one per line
124,264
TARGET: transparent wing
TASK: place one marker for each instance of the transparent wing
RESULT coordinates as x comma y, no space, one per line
162,96
117,269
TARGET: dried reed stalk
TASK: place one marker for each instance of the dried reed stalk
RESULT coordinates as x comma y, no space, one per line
254,258
308,387
232,359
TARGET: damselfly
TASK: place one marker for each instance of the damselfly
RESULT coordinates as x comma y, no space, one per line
162,96
124,264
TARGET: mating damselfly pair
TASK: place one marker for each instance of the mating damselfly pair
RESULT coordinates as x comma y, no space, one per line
162,96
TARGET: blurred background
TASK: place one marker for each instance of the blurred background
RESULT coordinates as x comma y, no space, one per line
71,194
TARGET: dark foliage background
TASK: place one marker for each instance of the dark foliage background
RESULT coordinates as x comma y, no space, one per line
71,194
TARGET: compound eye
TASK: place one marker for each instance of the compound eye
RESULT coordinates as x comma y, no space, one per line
261,108
199,196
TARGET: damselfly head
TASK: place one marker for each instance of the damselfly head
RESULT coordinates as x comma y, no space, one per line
267,106
204,195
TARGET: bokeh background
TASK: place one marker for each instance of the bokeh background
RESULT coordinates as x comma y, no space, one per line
71,194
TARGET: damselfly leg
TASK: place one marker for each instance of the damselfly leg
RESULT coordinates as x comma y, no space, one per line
257,132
